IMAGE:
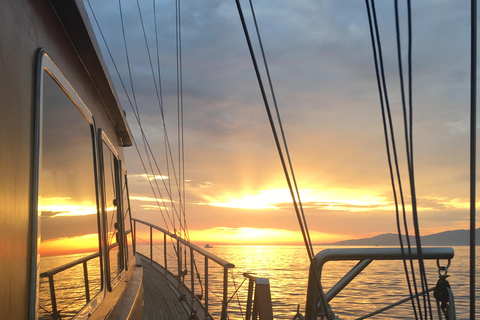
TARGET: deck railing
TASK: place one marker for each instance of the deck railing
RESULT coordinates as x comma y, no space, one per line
52,272
316,297
177,268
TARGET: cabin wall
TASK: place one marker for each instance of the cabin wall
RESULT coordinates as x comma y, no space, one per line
26,26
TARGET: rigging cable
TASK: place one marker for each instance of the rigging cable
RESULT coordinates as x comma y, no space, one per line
165,135
389,135
131,106
402,91
408,129
303,219
473,142
158,90
178,49
145,141
181,142
409,136
137,116
305,235
159,95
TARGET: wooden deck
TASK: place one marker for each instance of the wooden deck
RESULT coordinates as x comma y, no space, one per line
161,295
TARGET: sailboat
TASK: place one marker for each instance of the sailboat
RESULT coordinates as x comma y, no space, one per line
70,246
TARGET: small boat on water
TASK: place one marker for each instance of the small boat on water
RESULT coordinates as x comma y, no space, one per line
70,247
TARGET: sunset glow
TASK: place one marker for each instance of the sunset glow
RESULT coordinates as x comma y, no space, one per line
234,186
152,177
352,200
258,236
64,207
79,244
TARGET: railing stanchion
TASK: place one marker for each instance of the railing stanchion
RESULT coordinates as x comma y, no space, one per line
182,273
179,261
165,250
225,294
249,299
134,236
85,279
151,244
53,297
192,274
206,285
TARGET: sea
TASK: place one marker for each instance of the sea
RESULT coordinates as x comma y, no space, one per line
380,284
286,267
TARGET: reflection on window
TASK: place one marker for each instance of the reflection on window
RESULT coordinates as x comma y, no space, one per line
110,168
67,203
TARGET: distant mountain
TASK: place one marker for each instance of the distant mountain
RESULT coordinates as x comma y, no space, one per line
446,238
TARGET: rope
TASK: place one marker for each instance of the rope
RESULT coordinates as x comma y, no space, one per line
236,290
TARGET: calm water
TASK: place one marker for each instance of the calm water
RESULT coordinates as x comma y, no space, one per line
382,283
69,286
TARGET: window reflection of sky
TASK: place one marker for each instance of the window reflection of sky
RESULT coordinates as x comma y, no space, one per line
67,201
67,186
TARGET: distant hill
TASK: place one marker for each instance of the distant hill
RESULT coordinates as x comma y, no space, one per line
446,238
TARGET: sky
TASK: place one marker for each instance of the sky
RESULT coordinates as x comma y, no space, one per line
321,63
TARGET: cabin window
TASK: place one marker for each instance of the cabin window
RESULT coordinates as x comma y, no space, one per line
69,250
111,211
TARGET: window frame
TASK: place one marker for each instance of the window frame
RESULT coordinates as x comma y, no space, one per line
46,66
103,138
124,179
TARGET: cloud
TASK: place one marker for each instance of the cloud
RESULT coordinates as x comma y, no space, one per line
320,59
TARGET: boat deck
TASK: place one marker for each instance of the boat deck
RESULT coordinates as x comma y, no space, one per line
161,298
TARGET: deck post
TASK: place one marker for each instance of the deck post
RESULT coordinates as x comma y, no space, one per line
151,244
134,236
56,315
263,300
192,278
85,279
165,250
249,299
225,294
179,262
206,287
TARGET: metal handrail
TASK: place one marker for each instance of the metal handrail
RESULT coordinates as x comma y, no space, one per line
50,273
315,293
193,248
